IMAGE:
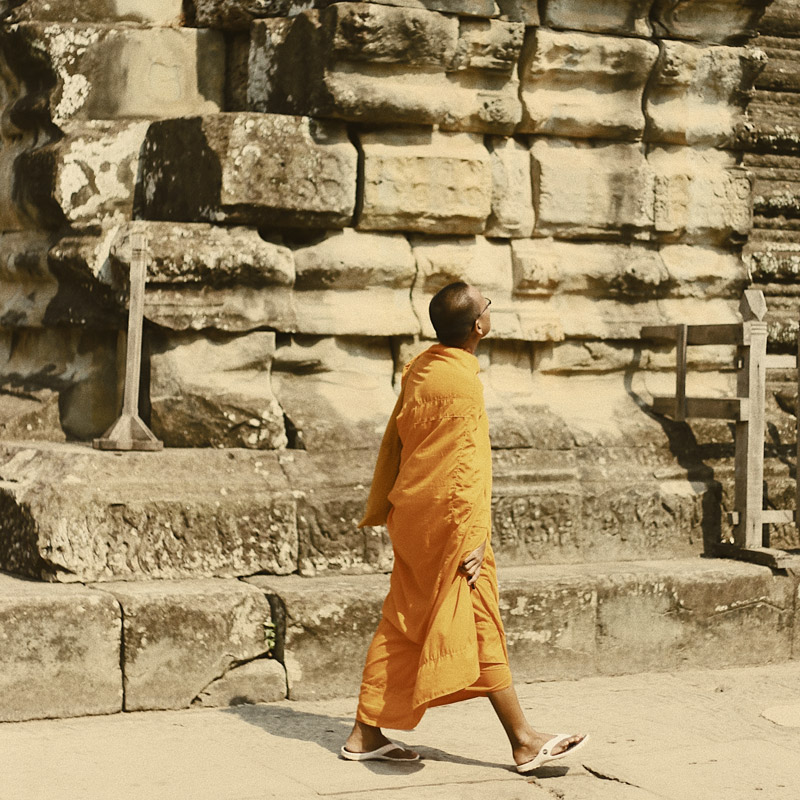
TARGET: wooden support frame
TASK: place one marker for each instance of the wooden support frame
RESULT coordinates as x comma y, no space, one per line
747,409
129,431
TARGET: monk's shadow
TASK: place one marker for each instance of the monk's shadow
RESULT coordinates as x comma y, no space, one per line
330,732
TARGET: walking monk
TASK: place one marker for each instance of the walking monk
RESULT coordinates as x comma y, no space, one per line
440,639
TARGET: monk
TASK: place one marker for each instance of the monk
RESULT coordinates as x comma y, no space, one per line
440,638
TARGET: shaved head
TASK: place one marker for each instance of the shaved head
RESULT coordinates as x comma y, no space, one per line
453,311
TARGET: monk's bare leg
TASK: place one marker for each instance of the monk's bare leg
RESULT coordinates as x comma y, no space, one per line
525,741
365,738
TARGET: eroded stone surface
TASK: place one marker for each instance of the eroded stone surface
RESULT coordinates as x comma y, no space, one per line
215,391
180,636
103,72
618,16
720,21
582,85
60,653
385,64
74,514
591,191
427,181
27,286
251,169
260,681
697,94
512,192
30,415
158,12
700,195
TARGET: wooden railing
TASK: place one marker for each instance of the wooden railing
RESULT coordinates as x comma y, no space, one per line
746,410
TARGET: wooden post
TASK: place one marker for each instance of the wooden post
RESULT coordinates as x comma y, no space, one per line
129,432
751,385
680,372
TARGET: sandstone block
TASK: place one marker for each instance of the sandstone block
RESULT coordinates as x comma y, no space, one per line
60,653
544,266
180,636
525,11
583,85
700,196
593,191
86,179
103,72
650,619
238,14
336,392
81,365
426,181
704,271
215,391
74,514
331,488
385,64
512,193
29,415
203,254
153,12
322,643
251,169
697,94
27,286
355,283
618,16
721,21
260,681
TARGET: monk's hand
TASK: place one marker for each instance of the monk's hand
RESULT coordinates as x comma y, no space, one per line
471,565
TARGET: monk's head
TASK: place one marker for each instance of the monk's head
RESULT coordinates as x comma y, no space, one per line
460,315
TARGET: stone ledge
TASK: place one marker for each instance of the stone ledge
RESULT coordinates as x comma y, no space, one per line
562,621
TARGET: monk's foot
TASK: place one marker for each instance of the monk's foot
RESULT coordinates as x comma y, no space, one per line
527,751
366,738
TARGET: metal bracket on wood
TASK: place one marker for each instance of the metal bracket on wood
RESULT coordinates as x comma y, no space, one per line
129,431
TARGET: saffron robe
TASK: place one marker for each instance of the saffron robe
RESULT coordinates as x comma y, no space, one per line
438,641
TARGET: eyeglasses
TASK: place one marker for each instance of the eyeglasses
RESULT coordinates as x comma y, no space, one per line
488,303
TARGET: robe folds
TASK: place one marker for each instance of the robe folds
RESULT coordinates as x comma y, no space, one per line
438,641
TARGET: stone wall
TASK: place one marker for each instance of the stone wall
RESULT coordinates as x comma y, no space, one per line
309,174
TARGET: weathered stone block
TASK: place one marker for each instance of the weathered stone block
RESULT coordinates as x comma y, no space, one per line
426,181
336,392
238,14
215,391
29,415
584,85
260,681
700,196
618,16
719,21
153,12
512,193
549,615
323,642
68,513
60,653
704,272
87,178
180,636
252,169
543,267
525,11
599,190
697,94
331,490
27,286
662,616
382,64
82,366
102,72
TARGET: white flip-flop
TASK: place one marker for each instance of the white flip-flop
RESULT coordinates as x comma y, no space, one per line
381,754
544,756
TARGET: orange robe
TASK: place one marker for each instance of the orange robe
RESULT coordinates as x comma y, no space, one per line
438,641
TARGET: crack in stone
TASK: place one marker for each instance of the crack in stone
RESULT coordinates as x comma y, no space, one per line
234,664
601,776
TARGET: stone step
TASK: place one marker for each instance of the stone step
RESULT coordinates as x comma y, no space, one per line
104,648
561,621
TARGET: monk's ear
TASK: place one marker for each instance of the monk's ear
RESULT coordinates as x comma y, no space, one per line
478,327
